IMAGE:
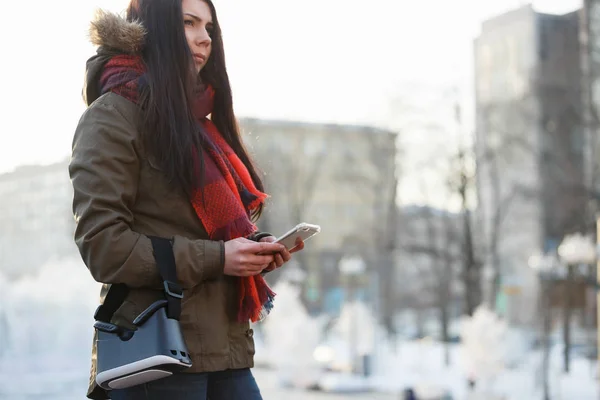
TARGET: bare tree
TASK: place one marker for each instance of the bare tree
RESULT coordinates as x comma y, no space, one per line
381,182
499,214
433,236
501,209
451,233
301,176
452,169
461,181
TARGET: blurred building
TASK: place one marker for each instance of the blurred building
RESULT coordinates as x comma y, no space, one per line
36,219
590,66
338,176
529,142
341,177
590,84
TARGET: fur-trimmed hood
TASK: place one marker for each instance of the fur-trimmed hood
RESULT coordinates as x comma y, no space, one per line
113,35
115,32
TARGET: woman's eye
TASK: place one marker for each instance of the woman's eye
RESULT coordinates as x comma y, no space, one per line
188,22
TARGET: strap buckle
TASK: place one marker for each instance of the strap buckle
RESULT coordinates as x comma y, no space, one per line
173,289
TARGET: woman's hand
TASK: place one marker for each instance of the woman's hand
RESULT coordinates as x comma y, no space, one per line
283,256
242,256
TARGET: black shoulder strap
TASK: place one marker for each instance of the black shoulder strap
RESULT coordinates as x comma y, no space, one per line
112,301
165,261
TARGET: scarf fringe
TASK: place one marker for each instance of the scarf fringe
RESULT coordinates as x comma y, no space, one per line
257,300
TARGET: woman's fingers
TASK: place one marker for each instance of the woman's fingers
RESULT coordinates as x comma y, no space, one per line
258,259
264,248
243,257
254,269
279,260
299,246
265,256
271,267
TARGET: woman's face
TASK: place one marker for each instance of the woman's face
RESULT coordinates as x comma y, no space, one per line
198,23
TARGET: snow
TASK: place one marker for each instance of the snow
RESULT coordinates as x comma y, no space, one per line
344,382
47,335
46,331
356,323
498,357
484,344
292,336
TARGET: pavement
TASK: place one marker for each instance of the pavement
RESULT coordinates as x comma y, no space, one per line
270,390
59,387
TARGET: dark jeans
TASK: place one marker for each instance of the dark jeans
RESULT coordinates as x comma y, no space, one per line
223,385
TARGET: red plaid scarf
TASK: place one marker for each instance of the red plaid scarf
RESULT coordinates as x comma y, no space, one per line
228,194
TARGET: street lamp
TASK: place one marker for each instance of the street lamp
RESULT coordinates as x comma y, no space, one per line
577,249
547,268
574,250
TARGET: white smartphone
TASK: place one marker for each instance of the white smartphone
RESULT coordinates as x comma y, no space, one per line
303,231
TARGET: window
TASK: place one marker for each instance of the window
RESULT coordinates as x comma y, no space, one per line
543,45
577,141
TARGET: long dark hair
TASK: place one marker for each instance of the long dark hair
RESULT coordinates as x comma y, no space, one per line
170,128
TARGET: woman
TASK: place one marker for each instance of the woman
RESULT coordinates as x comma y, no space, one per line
147,161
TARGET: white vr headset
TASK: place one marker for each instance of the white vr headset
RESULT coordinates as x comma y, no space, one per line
153,350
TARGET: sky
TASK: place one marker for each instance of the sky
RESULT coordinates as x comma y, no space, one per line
341,61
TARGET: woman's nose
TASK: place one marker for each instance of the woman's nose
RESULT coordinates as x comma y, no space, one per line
203,38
